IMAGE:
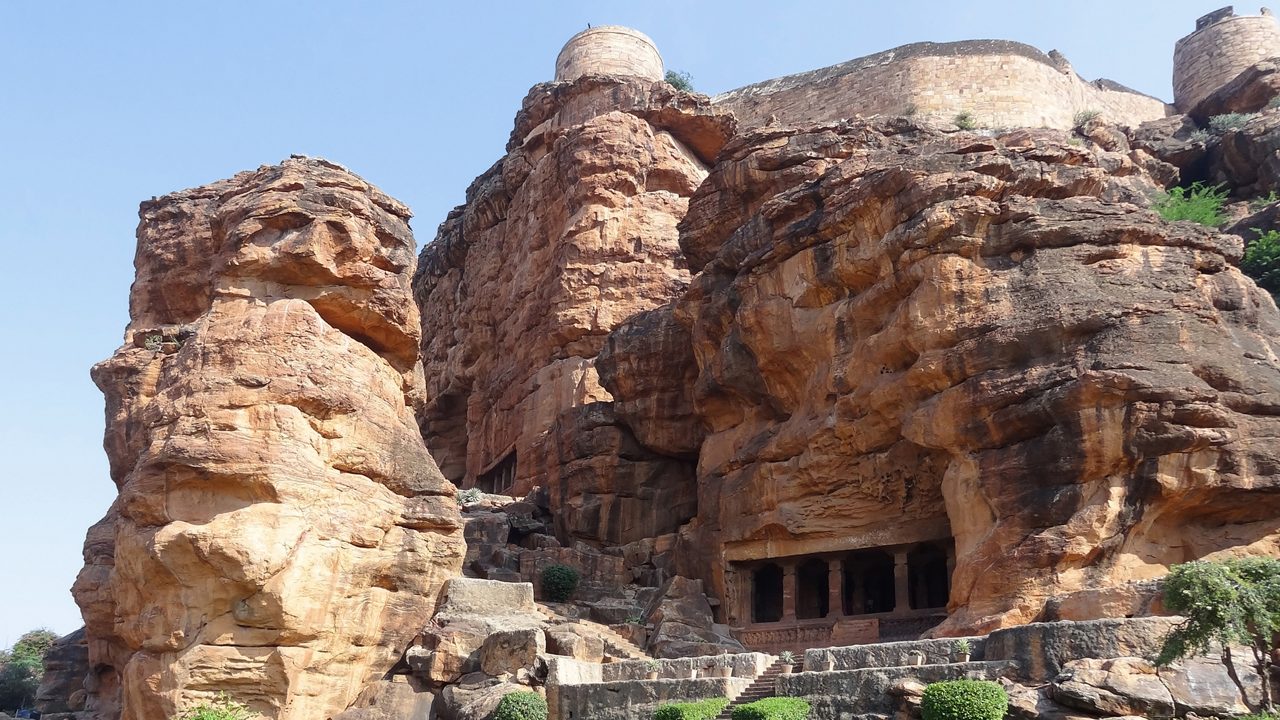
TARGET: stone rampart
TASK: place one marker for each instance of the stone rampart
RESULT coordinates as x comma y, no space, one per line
1222,47
1000,83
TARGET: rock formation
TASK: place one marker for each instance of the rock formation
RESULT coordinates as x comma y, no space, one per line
901,334
280,531
566,237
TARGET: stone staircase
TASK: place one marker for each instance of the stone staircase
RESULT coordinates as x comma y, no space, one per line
614,644
763,687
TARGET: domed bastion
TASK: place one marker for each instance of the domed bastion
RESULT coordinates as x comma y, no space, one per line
798,367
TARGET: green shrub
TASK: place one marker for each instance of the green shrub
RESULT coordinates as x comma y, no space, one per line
523,705
1084,116
559,582
21,667
1262,261
964,700
470,495
701,710
1200,203
965,120
224,708
774,708
682,81
1222,124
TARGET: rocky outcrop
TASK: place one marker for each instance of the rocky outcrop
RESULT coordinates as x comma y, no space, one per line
66,665
903,335
280,532
560,242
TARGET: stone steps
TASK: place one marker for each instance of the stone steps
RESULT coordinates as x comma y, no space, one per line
762,687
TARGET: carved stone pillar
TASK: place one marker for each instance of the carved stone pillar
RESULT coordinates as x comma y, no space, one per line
789,593
901,584
835,587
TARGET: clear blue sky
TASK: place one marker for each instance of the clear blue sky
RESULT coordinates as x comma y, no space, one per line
104,104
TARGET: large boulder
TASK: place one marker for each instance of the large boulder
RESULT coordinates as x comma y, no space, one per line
280,529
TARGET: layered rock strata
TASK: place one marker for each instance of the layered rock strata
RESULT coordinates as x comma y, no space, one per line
561,241
903,335
281,530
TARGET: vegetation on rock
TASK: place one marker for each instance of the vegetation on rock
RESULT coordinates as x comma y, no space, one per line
1227,122
964,700
1083,117
21,667
774,708
559,582
1199,203
1234,602
682,81
965,120
1262,261
523,705
224,708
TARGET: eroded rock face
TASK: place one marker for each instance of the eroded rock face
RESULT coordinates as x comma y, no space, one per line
281,531
566,237
905,335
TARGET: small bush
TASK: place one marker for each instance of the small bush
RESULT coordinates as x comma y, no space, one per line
681,81
964,700
1263,201
559,582
224,708
701,710
1084,116
1223,124
1262,261
1200,136
965,120
774,708
522,705
470,495
1200,203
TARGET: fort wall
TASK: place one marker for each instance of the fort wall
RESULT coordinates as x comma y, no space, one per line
1000,83
609,50
1223,46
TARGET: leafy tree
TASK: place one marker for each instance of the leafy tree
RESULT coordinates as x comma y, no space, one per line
1226,603
21,667
559,582
682,81
1262,261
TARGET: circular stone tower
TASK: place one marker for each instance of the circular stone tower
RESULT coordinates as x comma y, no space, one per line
609,50
1223,46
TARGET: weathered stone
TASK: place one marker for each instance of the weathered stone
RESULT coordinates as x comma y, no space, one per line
1120,686
597,175
1249,92
566,640
280,530
471,596
508,651
396,698
66,667
908,336
476,697
682,624
1201,685
1042,650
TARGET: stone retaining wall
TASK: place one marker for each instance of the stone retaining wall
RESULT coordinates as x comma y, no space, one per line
890,654
1000,83
633,699
842,694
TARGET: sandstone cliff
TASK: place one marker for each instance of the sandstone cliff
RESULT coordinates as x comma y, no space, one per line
567,236
281,531
900,334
